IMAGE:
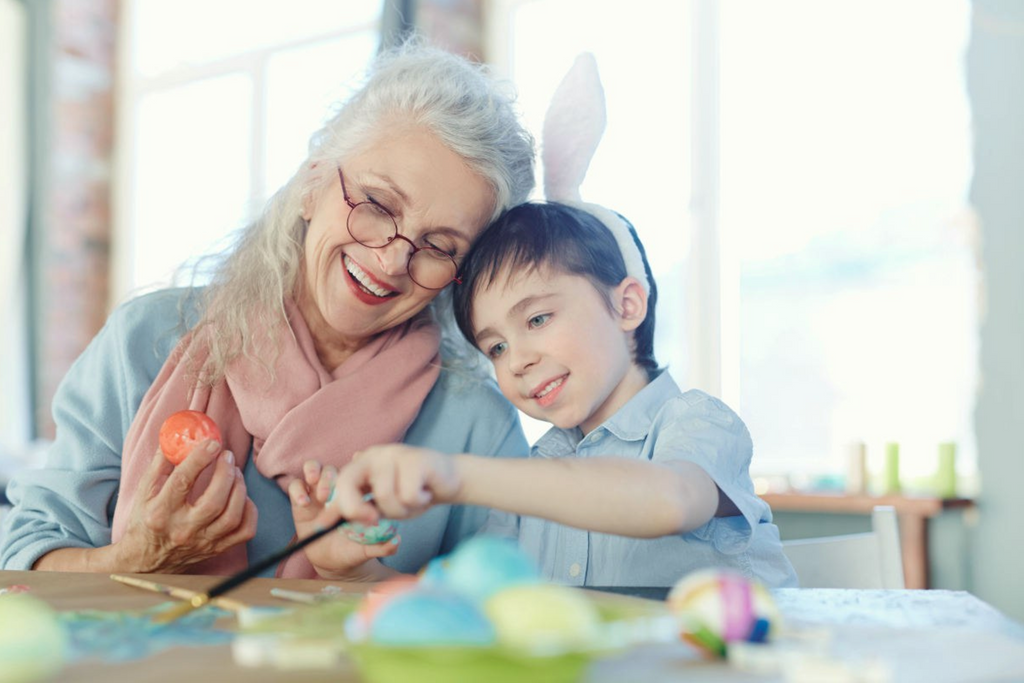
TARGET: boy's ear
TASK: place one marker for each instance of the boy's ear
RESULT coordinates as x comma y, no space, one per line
631,303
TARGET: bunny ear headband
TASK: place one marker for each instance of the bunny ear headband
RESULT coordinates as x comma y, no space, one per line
573,127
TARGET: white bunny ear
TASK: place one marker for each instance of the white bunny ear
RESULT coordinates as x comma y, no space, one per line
573,127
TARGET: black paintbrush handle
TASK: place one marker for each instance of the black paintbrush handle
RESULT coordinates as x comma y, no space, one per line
254,569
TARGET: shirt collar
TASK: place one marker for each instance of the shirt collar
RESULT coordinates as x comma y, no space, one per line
631,422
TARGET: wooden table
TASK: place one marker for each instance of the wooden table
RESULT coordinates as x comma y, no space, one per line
917,635
913,511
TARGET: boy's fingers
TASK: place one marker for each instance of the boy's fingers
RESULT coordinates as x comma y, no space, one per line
384,486
412,488
347,494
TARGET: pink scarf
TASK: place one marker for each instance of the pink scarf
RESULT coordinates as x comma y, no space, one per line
307,414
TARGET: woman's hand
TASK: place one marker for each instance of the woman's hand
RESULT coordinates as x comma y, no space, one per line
404,481
169,529
335,556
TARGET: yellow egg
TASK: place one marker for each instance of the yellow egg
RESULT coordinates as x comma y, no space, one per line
543,618
32,640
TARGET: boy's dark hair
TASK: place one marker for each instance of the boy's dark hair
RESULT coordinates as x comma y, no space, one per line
568,239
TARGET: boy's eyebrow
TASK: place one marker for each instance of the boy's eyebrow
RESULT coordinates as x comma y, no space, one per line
517,309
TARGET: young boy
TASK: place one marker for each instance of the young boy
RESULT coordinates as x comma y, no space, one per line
637,483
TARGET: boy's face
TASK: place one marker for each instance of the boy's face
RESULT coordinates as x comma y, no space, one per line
559,353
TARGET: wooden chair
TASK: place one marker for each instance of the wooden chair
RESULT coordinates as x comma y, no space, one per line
867,560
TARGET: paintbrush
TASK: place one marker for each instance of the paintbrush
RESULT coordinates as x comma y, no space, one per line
177,592
232,582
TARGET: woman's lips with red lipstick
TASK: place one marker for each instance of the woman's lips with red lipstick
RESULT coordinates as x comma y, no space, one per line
546,393
366,287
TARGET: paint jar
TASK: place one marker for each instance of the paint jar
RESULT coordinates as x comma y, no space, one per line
945,475
857,468
892,468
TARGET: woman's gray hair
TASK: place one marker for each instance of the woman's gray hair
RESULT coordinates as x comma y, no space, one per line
470,112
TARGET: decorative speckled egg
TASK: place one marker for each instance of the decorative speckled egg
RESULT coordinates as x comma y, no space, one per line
716,607
33,643
482,565
430,617
543,618
381,532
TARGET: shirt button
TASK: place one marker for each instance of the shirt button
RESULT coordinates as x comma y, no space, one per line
574,570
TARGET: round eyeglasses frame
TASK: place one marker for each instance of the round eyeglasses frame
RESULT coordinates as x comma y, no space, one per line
380,210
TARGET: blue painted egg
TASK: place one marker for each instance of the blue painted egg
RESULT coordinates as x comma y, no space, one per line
431,617
483,565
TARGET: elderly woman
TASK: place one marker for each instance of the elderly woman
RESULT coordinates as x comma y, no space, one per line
320,334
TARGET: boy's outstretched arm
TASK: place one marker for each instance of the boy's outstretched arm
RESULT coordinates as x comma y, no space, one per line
607,494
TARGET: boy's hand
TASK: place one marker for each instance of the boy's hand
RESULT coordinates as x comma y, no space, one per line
335,556
404,481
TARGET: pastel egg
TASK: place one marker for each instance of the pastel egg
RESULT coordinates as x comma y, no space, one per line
543,618
717,606
483,565
33,643
382,593
430,617
381,532
435,572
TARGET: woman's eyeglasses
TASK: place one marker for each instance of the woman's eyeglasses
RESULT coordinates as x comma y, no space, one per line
373,226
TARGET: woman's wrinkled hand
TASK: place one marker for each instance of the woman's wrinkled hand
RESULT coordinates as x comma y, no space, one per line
335,556
170,528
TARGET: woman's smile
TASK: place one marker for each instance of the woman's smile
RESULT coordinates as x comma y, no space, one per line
367,288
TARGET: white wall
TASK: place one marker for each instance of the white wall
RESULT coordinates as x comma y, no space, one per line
14,405
995,63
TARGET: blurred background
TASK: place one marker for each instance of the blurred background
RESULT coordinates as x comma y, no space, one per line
830,193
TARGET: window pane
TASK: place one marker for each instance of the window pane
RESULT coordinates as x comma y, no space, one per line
15,415
304,85
175,33
843,201
642,166
192,164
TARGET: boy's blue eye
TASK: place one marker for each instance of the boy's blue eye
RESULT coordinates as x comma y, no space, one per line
496,350
538,320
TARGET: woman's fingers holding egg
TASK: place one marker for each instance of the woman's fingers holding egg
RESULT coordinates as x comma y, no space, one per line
298,493
325,486
385,549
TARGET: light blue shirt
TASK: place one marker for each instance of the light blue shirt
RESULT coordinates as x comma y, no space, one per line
70,502
659,424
